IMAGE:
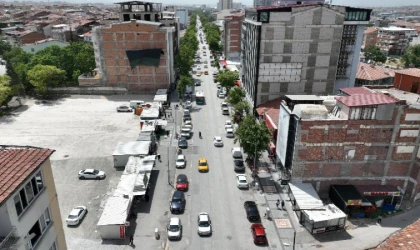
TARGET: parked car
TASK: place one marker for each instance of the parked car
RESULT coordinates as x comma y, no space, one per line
241,181
198,73
177,204
239,165
187,117
206,66
182,142
76,215
228,124
185,132
174,229
206,72
236,152
203,165
182,182
217,141
251,210
230,133
204,224
124,109
258,234
197,83
91,174
180,161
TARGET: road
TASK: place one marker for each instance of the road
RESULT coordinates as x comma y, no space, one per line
214,192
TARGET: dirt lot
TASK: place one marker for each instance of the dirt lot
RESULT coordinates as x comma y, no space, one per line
84,131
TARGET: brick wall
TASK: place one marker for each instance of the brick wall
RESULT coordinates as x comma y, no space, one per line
405,82
360,152
119,38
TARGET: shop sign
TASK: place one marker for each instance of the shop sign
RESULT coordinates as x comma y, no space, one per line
381,193
318,230
354,202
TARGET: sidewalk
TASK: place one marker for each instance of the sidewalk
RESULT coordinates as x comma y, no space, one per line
285,225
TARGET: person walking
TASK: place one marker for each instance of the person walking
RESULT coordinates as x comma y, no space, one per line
379,219
282,204
158,157
278,203
131,239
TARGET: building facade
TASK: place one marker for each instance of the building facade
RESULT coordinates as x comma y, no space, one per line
394,40
259,3
368,137
224,4
300,49
182,14
29,210
232,36
370,37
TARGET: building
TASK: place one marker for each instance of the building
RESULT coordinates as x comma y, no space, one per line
294,2
29,211
404,238
40,45
370,37
224,4
394,40
365,136
232,36
408,80
259,3
237,5
137,54
370,74
300,49
19,38
182,15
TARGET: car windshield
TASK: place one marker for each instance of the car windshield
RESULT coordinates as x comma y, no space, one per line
72,216
173,228
203,163
242,181
239,163
261,237
182,180
180,160
203,224
176,200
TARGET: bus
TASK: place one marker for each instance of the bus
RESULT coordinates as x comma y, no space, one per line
199,97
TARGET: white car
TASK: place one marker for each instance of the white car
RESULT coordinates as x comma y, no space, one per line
218,141
174,229
204,224
205,66
241,181
229,133
236,152
228,124
124,109
91,174
222,94
188,123
76,215
180,161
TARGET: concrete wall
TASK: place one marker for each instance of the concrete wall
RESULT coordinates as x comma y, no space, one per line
360,152
33,48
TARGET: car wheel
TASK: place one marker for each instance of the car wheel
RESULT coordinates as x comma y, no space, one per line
98,178
82,178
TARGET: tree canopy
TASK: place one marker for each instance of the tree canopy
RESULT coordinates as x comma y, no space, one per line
5,90
44,76
375,54
235,95
227,79
411,57
183,82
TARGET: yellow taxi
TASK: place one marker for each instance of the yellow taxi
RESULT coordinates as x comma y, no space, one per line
203,166
206,72
198,73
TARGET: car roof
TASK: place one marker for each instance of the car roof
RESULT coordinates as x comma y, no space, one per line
75,211
218,137
181,157
89,170
203,216
202,159
259,229
182,176
229,130
241,176
174,221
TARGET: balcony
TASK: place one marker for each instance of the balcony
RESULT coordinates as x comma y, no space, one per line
10,241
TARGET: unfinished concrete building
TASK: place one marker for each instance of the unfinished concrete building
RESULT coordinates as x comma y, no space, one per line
306,48
369,136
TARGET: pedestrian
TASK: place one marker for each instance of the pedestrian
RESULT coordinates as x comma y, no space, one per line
167,132
131,239
380,219
278,203
158,157
282,204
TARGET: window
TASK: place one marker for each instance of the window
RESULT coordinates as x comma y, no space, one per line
38,229
18,205
263,16
47,217
29,192
23,198
39,181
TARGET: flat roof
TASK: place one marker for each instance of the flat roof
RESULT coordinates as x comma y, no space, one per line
132,148
160,98
305,195
304,98
331,212
161,92
115,211
394,28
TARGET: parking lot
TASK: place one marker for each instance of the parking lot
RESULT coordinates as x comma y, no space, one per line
84,131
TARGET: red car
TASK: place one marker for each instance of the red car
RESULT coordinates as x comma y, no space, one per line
182,182
258,233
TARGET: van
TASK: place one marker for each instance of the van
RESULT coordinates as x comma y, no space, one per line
134,104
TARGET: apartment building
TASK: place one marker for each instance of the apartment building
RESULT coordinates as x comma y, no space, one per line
182,15
224,4
365,136
300,49
394,40
29,211
259,3
232,36
137,53
370,37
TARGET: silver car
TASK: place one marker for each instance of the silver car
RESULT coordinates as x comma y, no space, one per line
76,215
91,174
204,224
174,229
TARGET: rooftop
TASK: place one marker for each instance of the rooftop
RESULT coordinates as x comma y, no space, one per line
358,100
410,72
371,72
357,91
370,30
394,28
406,238
284,7
16,165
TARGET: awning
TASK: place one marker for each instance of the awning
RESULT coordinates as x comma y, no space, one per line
238,83
269,122
223,62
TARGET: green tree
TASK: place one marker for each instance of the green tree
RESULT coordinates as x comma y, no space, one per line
375,54
17,66
253,137
235,95
184,81
4,47
411,57
43,77
227,79
241,109
5,90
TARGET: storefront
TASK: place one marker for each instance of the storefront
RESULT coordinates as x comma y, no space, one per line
385,197
349,200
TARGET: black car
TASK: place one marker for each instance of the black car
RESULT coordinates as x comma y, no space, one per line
251,210
239,165
197,83
187,117
182,142
177,202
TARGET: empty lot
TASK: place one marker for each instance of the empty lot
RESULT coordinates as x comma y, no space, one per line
84,131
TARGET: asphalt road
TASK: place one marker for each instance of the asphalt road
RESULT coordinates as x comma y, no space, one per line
214,192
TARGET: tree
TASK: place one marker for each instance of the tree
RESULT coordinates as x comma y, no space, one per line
43,77
5,90
17,66
253,137
184,81
235,95
411,57
375,54
227,79
241,109
4,47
